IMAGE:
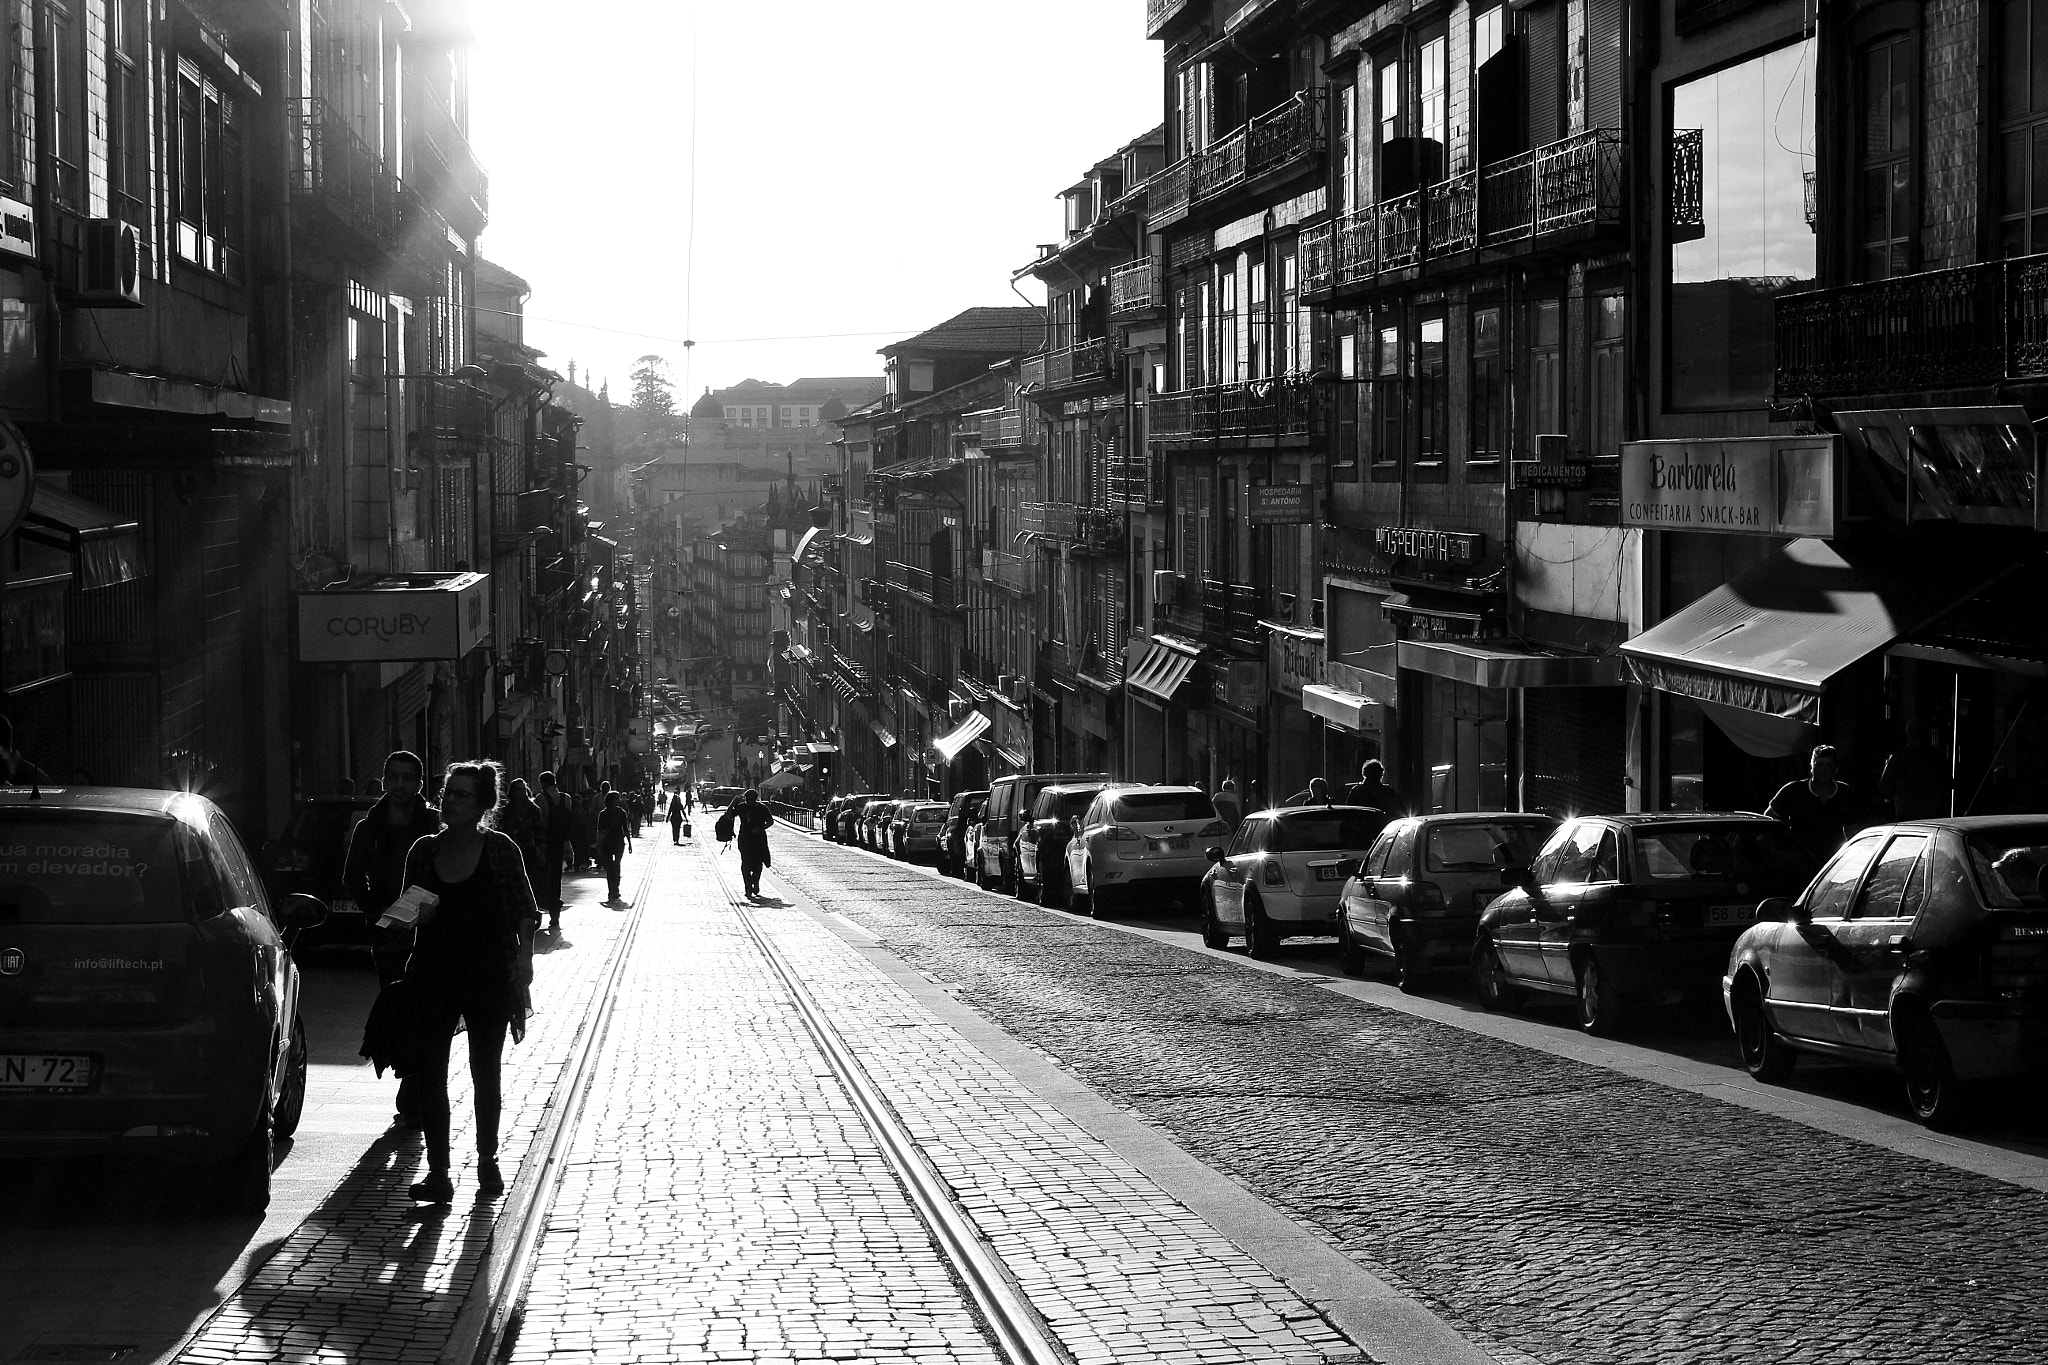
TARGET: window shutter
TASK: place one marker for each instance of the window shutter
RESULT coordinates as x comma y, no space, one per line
1603,76
1540,27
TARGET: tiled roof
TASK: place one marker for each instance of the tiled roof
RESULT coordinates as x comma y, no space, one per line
1014,331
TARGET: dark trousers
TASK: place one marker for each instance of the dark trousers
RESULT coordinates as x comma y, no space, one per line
486,1047
675,829
389,948
611,857
548,890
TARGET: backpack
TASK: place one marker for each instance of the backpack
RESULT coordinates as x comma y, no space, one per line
723,829
558,814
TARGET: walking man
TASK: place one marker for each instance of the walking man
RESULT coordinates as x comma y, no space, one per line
748,822
1821,811
554,805
1229,809
614,837
373,873
1371,789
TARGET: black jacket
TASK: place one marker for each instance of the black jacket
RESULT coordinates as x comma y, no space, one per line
374,872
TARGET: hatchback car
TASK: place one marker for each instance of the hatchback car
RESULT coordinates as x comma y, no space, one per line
919,837
1416,898
1921,947
149,1003
1618,909
962,815
846,821
896,830
307,858
1042,840
1009,805
1281,874
874,823
1143,840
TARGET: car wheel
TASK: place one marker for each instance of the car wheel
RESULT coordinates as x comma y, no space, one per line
242,1183
1099,901
291,1096
1939,1100
1350,957
1214,935
977,876
1025,891
1408,973
1763,1055
1602,1010
1261,938
1490,981
1053,890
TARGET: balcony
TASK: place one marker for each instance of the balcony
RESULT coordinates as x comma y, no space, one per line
445,167
1031,372
935,590
1007,571
1400,231
1169,193
1317,252
1270,409
1451,214
1160,13
1224,613
451,419
1085,362
1219,166
1137,480
1289,137
1000,428
1974,324
1090,530
1137,290
344,175
1578,182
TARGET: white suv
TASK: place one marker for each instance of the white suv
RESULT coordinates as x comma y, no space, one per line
1136,839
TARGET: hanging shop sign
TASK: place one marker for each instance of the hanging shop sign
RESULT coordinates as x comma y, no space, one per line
1238,683
394,617
1282,504
1426,543
1294,657
1753,486
1976,465
1347,552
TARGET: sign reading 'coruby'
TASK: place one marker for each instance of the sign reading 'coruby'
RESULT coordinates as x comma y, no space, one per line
391,618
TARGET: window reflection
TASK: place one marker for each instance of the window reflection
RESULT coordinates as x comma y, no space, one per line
1756,121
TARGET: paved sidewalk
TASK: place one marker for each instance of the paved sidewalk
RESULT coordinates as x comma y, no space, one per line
724,1204
370,1276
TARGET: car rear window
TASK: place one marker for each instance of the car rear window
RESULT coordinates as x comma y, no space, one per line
63,867
2009,864
1076,802
1144,806
932,815
1472,847
1747,852
1335,831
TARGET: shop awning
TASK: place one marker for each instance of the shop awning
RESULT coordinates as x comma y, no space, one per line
107,547
952,742
1160,670
1487,666
805,542
883,733
1773,638
1347,710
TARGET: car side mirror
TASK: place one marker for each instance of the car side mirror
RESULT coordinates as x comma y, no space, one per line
1515,874
1214,853
1347,868
301,911
1778,908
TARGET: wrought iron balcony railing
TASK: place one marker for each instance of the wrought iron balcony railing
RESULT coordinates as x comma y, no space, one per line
451,419
1453,214
1278,407
1400,231
1973,324
441,151
1137,289
1357,244
1318,256
1219,166
1169,193
935,589
1085,362
1094,529
1006,570
344,174
1290,133
1507,200
1031,372
1159,12
1579,181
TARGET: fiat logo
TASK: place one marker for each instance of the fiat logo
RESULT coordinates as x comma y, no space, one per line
12,960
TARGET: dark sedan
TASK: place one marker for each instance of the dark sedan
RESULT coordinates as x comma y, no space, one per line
1619,910
307,858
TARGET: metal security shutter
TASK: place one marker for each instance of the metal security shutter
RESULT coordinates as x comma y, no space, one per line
1574,741
1540,26
1603,63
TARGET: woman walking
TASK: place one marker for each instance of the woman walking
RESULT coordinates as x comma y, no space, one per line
471,962
526,823
675,817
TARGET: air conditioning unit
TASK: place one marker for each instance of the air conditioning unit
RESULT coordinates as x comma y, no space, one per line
1018,690
1165,588
110,265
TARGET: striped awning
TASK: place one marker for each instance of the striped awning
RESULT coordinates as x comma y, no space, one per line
957,739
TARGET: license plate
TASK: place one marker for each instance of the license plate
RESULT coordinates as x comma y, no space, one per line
1178,841
44,1071
1326,872
1730,914
1482,899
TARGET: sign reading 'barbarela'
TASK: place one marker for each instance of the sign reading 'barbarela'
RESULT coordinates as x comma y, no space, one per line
1758,485
394,617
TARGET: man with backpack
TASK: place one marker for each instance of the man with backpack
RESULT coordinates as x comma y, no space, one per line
557,822
614,837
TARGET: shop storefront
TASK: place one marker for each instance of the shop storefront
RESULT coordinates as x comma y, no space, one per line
1162,689
1227,738
1298,751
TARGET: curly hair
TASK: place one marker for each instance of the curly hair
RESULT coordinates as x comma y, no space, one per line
489,776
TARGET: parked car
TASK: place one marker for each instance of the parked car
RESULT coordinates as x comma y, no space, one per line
970,851
828,818
846,825
717,798
1921,947
875,823
1280,874
1415,900
962,815
1042,840
149,1003
306,859
896,830
1139,840
1009,804
919,836
1618,909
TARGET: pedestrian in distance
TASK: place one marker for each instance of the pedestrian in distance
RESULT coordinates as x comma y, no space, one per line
583,829
472,964
1371,789
1916,777
373,873
614,837
1229,808
526,823
747,823
559,819
1317,793
675,818
1821,811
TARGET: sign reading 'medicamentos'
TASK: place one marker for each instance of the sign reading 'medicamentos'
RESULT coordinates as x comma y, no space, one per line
1756,486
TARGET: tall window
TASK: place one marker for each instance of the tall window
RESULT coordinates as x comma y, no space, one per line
1226,323
1546,368
1432,394
1388,79
1344,159
1488,31
1205,333
1577,64
67,105
207,164
2023,127
1258,334
1432,91
1290,318
1609,372
1389,398
1885,159
1489,395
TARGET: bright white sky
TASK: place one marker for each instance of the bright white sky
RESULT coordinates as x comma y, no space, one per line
861,168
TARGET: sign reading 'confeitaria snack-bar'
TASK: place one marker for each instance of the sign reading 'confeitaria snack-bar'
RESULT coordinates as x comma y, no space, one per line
1756,486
